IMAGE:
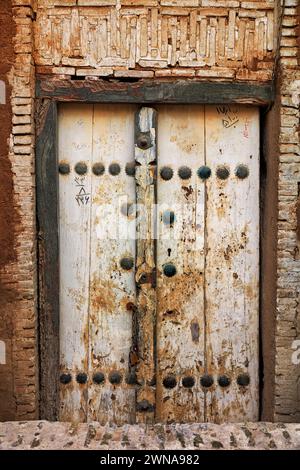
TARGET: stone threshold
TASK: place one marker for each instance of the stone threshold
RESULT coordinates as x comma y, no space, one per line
44,435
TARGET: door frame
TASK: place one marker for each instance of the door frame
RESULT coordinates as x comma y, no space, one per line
50,92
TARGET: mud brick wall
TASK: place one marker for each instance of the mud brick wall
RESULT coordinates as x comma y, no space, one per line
225,39
18,334
287,371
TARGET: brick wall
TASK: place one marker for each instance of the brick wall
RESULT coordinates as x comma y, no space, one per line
18,271
287,373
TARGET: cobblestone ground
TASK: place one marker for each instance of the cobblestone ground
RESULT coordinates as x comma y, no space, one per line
45,435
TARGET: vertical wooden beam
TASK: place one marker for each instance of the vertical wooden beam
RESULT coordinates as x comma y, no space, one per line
46,171
144,318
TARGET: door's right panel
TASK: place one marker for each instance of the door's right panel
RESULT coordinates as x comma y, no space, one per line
232,262
180,264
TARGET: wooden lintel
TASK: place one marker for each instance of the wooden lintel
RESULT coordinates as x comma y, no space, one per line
155,91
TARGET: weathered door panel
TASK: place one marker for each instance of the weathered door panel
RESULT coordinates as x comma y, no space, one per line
232,262
180,264
112,281
159,304
75,147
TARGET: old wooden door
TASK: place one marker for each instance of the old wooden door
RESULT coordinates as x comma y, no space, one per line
159,263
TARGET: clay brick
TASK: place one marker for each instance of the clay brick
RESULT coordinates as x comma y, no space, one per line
291,3
289,22
257,5
23,140
23,150
99,72
22,119
93,3
26,129
220,3
22,3
25,109
289,62
216,73
55,70
180,3
134,73
288,52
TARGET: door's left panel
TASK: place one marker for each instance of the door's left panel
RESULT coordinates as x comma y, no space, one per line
96,262
75,145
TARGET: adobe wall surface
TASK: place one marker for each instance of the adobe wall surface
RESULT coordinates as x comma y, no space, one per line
8,211
287,335
18,365
140,39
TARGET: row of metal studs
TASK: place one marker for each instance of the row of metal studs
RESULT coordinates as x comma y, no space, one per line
166,173
98,169
169,382
204,172
98,378
206,381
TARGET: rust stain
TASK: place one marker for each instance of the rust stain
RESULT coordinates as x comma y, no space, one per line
250,290
101,297
174,289
223,205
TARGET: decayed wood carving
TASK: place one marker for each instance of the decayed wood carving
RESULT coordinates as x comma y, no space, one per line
116,38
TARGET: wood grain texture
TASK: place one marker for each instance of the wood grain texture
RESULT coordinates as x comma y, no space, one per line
203,320
144,343
232,262
74,146
155,91
47,202
173,34
180,299
112,288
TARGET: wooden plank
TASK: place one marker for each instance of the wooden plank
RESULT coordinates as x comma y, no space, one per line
221,37
145,314
133,48
154,25
164,37
74,147
203,37
123,37
144,36
193,29
47,200
180,298
112,288
155,91
183,36
173,34
232,262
